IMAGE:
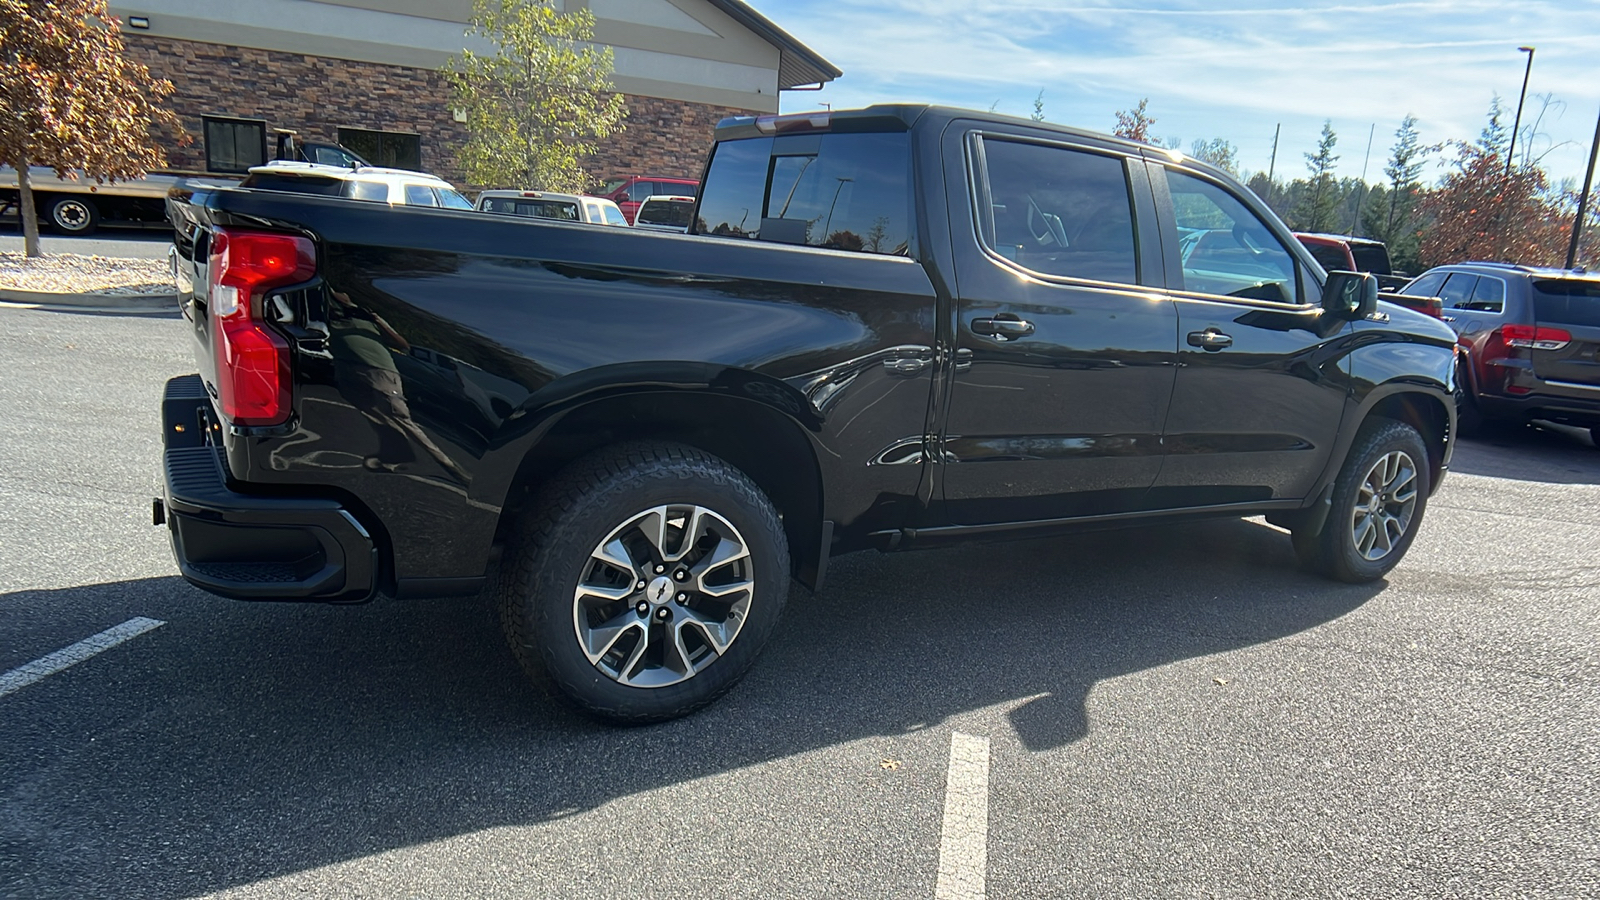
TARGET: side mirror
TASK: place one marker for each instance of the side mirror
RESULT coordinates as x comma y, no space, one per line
1350,295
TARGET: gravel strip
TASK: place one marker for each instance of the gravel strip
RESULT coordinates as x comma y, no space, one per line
69,273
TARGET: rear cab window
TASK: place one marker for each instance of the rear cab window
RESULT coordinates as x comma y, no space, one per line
564,210
666,212
840,191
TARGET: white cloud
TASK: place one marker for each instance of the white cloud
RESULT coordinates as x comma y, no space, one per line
1231,71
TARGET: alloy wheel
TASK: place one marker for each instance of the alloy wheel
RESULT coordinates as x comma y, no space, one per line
1385,503
663,596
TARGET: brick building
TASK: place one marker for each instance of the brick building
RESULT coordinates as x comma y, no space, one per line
364,73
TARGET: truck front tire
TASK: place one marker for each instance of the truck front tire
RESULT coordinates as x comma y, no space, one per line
1377,505
643,581
74,215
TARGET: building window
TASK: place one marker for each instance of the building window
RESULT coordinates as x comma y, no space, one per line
234,145
394,149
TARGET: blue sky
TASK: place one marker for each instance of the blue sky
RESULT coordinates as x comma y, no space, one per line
1225,68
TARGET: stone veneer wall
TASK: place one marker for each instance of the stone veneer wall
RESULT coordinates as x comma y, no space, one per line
315,95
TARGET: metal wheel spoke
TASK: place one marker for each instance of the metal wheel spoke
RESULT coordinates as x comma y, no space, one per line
653,525
723,590
716,633
1365,535
691,533
726,551
614,552
608,594
1381,540
625,671
599,641
676,655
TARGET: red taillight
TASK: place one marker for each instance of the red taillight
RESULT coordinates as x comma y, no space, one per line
1535,337
253,382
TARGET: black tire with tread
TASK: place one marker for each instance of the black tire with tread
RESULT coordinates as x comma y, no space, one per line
1330,551
551,542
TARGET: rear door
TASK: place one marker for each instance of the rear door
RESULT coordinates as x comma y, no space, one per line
1064,342
1566,349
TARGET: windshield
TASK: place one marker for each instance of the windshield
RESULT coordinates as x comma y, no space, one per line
612,185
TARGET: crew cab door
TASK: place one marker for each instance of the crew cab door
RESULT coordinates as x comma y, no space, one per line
1261,384
1064,344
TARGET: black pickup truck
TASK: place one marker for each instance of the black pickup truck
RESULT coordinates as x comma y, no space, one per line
887,328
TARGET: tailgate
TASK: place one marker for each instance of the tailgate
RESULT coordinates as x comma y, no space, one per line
1567,313
191,242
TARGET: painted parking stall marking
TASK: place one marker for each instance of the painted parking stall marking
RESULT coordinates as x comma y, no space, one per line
45,666
964,838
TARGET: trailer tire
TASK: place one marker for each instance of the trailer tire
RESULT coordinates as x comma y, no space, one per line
74,215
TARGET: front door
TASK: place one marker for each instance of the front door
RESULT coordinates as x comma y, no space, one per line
1261,380
1064,343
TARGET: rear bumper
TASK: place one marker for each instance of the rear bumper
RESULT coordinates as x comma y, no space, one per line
246,546
1571,407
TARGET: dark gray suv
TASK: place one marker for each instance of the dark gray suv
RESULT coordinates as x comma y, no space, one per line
1528,339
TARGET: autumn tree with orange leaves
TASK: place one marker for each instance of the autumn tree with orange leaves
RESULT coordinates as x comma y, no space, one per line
1478,212
69,100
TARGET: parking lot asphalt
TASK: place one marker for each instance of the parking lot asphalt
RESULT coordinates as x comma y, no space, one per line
1168,711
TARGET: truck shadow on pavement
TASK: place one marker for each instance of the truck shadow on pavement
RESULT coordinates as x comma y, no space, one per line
241,742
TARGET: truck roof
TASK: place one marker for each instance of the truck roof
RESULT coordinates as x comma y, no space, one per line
902,116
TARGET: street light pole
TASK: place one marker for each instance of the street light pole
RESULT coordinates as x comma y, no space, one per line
1511,153
1583,198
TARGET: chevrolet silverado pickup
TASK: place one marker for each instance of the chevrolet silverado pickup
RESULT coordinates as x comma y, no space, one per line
887,328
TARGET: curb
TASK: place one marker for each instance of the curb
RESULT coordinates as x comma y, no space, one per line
90,302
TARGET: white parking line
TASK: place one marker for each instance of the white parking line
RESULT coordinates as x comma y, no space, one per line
964,839
45,666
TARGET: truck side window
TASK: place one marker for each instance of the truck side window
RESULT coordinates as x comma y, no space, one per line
1488,296
1425,286
841,191
420,195
1226,249
1457,290
1061,212
367,190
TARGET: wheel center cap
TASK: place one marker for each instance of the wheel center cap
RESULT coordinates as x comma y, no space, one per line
659,590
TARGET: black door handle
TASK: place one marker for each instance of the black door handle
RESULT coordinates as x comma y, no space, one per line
1003,327
1210,339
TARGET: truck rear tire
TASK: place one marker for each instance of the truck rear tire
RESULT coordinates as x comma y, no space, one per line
74,215
643,581
1377,506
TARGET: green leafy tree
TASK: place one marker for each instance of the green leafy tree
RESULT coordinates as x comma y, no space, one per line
1134,124
70,101
1390,213
1319,206
1038,107
1218,152
539,106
